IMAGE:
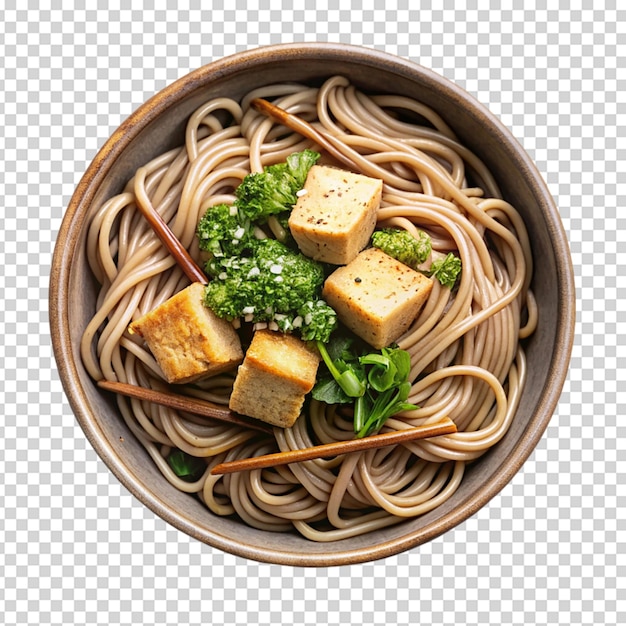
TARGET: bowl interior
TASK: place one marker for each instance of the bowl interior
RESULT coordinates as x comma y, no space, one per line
159,125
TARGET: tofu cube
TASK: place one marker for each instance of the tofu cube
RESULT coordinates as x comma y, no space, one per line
275,376
187,339
376,296
334,220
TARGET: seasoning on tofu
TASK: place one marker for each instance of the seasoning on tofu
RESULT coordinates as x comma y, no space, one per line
333,221
376,296
275,376
187,339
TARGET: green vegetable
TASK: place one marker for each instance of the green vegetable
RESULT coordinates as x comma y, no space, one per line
401,245
319,320
388,376
223,231
273,283
446,270
350,379
389,368
377,382
411,251
273,190
260,279
189,468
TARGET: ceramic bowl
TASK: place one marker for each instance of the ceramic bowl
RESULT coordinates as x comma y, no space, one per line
157,126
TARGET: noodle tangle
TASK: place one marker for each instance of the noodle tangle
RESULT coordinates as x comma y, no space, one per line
467,362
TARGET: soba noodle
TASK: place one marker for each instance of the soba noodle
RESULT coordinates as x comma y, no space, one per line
467,361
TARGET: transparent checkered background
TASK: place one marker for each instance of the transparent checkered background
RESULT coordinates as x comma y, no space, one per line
78,549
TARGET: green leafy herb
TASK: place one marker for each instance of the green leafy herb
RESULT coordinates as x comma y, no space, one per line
189,468
373,410
390,367
349,378
376,382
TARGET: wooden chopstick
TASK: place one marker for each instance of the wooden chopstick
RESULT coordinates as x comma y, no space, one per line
163,231
303,128
185,403
445,427
170,241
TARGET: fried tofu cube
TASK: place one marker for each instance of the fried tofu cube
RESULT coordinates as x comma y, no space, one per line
376,296
274,378
187,339
334,218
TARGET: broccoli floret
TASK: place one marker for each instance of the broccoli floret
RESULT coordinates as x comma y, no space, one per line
224,232
411,251
265,280
446,270
403,246
271,284
273,190
318,321
315,321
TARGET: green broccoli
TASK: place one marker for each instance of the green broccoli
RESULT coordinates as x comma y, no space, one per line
412,251
265,280
224,232
273,284
446,270
403,246
318,321
273,190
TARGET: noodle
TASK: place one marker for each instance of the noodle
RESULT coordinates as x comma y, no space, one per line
467,362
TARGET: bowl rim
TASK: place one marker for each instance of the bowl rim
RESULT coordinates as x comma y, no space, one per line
71,226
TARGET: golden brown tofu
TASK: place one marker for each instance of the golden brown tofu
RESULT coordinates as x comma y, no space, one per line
334,218
187,339
376,296
275,376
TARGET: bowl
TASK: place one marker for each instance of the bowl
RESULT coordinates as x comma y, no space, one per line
157,126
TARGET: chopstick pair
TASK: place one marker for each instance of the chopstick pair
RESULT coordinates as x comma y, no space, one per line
214,411
326,450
